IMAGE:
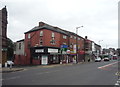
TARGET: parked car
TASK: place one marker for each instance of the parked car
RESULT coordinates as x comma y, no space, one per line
10,62
98,59
114,57
106,59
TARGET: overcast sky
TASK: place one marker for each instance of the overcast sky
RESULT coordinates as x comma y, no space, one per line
99,18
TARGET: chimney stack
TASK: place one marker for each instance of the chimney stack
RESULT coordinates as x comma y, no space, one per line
86,37
41,24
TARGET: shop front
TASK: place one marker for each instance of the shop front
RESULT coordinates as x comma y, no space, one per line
45,55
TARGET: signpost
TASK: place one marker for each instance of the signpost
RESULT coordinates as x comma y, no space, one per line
63,51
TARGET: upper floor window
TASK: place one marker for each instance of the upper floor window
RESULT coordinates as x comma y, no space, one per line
74,37
64,43
53,35
65,37
78,38
52,42
41,42
28,36
71,36
41,33
19,45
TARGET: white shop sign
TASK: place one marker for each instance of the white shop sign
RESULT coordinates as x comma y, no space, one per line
44,60
39,50
50,50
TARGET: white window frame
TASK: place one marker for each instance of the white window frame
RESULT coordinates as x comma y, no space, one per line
74,37
28,36
78,38
64,43
53,34
41,33
64,37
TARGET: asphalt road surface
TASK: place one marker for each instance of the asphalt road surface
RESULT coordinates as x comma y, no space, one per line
93,73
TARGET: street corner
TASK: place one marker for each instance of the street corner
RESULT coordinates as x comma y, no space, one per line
8,70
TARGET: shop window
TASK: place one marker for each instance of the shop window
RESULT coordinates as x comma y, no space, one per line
36,57
41,33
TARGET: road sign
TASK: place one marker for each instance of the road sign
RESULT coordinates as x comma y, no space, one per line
64,46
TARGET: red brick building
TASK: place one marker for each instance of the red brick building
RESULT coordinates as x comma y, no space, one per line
3,34
46,44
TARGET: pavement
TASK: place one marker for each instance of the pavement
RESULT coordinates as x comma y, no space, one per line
20,68
8,70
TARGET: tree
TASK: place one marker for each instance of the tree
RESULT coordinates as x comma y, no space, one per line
10,49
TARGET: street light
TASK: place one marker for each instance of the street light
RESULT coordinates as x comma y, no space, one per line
99,44
77,43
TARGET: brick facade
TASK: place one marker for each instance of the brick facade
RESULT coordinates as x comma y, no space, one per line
53,43
3,34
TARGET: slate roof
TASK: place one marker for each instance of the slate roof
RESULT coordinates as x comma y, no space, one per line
53,28
46,26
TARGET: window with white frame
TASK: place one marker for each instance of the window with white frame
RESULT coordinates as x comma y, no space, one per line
78,38
52,42
71,36
53,34
64,37
28,36
41,33
64,43
19,46
74,37
41,42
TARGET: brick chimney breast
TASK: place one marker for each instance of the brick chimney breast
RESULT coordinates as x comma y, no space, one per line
41,24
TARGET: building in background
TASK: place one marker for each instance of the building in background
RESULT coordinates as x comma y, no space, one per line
88,49
3,35
19,53
46,44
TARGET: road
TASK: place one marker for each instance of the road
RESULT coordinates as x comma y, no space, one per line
93,73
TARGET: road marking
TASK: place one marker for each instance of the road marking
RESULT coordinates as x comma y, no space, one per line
117,83
12,78
117,73
107,65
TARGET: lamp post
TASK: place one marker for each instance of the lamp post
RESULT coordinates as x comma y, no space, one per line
99,44
77,43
